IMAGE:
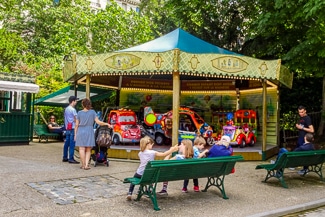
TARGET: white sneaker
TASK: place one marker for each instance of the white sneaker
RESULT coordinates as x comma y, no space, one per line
163,192
129,197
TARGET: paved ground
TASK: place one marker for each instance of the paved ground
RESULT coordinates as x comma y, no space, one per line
34,182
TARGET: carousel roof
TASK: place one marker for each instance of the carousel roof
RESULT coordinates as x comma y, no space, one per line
180,51
182,40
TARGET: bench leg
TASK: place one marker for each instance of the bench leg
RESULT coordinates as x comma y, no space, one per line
218,182
150,191
276,174
316,169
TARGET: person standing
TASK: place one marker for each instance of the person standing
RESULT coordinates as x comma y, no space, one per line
304,125
84,135
70,115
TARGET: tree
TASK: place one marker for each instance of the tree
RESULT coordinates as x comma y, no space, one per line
48,31
293,31
11,47
220,22
113,29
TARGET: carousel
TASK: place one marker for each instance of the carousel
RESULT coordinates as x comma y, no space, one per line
180,70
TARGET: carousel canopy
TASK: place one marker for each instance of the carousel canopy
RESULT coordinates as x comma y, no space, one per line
180,51
179,39
60,97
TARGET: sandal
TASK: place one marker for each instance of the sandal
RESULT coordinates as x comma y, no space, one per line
87,168
82,167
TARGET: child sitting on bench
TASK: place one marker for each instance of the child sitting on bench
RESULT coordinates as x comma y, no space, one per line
221,148
146,154
185,151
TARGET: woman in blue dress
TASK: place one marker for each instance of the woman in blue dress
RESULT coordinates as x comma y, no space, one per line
84,132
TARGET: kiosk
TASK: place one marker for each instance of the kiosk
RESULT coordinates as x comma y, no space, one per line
16,116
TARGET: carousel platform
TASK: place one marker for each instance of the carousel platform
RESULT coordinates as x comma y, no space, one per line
130,151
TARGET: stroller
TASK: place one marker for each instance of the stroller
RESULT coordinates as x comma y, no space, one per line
103,140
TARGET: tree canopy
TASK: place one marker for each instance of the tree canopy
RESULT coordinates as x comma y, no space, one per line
41,33
37,34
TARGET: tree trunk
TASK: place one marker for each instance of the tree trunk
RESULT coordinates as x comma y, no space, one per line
320,129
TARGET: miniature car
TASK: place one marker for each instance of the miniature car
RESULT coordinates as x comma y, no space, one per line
125,127
242,131
159,126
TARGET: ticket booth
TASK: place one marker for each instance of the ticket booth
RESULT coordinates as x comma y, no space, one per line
16,116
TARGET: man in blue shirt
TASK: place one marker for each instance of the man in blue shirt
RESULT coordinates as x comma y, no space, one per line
70,115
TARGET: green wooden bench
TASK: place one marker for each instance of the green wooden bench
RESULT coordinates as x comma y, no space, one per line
214,169
43,133
313,159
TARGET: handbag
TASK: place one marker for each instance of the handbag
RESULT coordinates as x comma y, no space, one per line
69,127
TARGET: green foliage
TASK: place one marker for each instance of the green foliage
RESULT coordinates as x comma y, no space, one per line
218,22
290,30
11,47
288,121
305,91
113,29
37,34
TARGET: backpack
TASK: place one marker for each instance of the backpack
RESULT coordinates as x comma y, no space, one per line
103,136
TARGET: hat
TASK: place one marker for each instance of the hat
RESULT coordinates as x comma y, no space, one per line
72,98
225,140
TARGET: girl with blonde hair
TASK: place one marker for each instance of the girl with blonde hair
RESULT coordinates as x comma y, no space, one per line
185,151
146,154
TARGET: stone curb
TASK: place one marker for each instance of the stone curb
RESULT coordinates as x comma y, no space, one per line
292,209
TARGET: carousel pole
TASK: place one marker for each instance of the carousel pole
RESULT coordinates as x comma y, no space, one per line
88,86
176,97
264,117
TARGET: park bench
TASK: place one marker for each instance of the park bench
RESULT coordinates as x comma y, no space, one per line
313,159
43,133
214,169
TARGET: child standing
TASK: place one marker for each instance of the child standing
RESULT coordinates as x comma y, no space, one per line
199,144
185,151
146,154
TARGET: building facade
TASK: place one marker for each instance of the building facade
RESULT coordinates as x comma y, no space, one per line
127,5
